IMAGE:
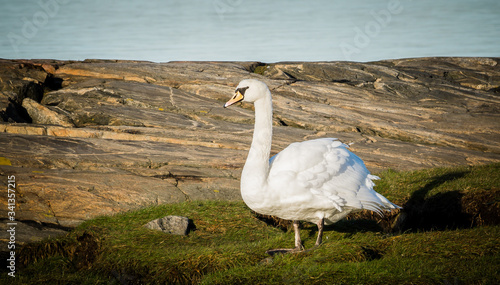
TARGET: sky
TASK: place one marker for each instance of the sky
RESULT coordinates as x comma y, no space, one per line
244,30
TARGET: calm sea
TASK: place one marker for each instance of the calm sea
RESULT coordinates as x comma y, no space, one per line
241,30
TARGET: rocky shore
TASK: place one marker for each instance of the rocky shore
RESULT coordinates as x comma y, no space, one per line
99,137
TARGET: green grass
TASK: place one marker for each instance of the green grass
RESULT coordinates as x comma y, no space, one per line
229,243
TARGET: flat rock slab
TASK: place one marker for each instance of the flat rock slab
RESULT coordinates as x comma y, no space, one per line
175,225
98,137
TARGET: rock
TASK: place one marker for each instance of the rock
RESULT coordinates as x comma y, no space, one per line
31,231
98,137
40,114
175,225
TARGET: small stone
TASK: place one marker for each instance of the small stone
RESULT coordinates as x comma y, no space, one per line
175,225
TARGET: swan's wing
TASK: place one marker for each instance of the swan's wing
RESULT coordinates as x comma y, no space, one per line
329,171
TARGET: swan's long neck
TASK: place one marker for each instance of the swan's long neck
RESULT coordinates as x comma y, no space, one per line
256,169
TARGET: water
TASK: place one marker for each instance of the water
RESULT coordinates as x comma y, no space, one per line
244,30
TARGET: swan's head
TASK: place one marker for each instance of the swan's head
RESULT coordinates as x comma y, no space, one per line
249,90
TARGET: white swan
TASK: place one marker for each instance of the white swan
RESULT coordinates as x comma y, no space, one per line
318,181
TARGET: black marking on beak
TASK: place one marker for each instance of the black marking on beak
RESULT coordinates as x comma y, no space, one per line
241,90
238,96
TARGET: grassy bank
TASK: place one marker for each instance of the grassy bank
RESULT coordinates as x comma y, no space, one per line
448,233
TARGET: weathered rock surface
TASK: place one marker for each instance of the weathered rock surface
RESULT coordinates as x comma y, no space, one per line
40,114
99,137
175,225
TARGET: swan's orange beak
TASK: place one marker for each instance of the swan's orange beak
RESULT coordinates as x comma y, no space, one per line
236,98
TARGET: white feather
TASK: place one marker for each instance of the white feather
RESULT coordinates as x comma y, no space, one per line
310,180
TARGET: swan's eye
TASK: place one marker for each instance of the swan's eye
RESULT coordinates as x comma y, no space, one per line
241,90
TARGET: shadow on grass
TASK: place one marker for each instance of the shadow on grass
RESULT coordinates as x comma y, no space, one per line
438,212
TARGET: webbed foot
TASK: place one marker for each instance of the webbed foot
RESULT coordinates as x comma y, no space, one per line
273,252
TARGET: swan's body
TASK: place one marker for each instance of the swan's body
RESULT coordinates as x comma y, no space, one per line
318,181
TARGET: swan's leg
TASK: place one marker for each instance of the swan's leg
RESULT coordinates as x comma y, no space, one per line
320,224
298,241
